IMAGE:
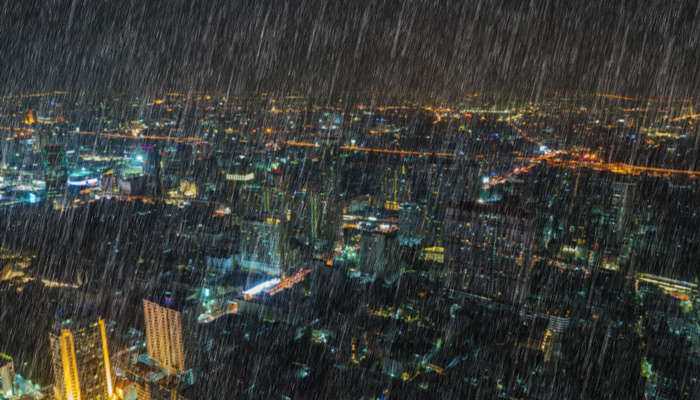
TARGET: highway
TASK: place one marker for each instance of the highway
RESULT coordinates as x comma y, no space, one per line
375,150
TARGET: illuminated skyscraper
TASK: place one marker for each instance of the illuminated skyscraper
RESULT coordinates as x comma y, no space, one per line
7,376
164,338
323,220
81,364
30,117
622,203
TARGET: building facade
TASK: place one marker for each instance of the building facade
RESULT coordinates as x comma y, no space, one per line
164,338
81,363
7,376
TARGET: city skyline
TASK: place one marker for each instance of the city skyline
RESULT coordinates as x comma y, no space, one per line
376,200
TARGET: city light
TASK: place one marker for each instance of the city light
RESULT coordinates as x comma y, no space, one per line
328,200
261,287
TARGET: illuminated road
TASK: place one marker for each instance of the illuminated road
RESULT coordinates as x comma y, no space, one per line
38,94
613,96
375,150
622,169
692,116
397,152
187,139
556,159
534,161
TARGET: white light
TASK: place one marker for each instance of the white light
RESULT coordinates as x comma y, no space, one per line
86,182
259,288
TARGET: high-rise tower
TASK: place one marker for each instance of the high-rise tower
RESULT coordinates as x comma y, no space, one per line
81,364
30,117
164,338
7,376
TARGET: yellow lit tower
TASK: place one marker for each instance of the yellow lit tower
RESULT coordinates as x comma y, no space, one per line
30,117
393,204
81,364
164,338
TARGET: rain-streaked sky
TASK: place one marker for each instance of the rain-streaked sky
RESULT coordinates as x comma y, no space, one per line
414,48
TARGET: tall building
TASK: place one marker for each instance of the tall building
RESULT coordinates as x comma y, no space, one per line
323,218
260,249
81,364
148,382
379,252
411,224
55,168
622,202
7,376
152,391
30,117
164,338
152,169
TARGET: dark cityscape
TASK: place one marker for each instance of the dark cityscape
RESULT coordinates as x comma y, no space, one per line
349,200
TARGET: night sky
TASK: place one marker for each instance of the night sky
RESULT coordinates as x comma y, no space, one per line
412,48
